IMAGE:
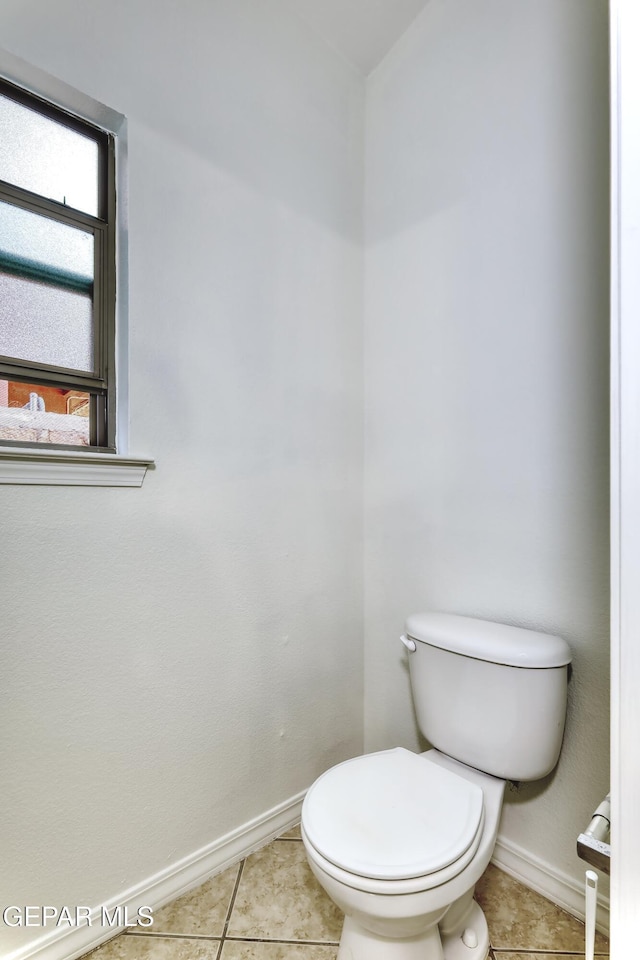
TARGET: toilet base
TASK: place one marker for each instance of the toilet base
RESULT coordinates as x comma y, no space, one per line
454,948
356,943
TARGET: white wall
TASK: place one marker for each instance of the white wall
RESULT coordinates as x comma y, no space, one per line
180,658
486,354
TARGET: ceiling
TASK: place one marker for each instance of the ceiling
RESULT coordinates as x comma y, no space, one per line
363,31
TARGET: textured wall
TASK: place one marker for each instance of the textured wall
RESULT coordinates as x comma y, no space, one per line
178,659
486,359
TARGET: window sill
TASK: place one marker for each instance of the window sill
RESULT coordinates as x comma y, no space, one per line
58,468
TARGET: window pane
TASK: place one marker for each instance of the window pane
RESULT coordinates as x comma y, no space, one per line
45,324
34,245
36,414
44,156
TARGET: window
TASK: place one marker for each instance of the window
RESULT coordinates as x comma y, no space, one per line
57,278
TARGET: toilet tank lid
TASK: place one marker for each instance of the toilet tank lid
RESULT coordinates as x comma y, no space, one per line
484,640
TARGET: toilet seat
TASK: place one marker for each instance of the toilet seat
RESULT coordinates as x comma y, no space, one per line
393,816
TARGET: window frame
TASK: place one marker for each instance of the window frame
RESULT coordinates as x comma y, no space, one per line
101,384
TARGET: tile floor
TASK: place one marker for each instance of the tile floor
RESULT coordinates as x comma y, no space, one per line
269,907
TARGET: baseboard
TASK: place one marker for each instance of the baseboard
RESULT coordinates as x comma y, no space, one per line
68,943
546,880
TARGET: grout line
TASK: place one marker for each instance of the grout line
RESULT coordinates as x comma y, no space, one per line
310,943
175,936
212,939
232,903
498,951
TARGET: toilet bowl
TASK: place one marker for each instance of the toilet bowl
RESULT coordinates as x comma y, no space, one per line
398,841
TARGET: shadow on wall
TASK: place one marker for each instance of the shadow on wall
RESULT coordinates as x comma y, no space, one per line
233,94
478,137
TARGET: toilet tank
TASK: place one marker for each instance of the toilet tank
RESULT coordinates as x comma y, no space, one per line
490,695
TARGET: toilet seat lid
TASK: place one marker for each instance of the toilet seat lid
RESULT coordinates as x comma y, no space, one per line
392,815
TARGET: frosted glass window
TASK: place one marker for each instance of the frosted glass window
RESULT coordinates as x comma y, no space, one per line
45,245
42,323
57,276
46,157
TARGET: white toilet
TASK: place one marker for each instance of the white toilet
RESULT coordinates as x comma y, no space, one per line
397,839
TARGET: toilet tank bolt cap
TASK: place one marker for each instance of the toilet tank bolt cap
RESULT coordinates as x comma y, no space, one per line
470,938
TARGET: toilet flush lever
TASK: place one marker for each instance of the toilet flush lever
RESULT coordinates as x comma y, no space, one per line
409,643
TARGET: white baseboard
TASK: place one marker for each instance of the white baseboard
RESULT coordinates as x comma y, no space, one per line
558,887
68,943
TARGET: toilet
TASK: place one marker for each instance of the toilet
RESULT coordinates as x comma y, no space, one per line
398,839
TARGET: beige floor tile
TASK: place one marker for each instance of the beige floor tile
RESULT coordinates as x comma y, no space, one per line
234,950
520,919
155,948
508,955
201,912
279,898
